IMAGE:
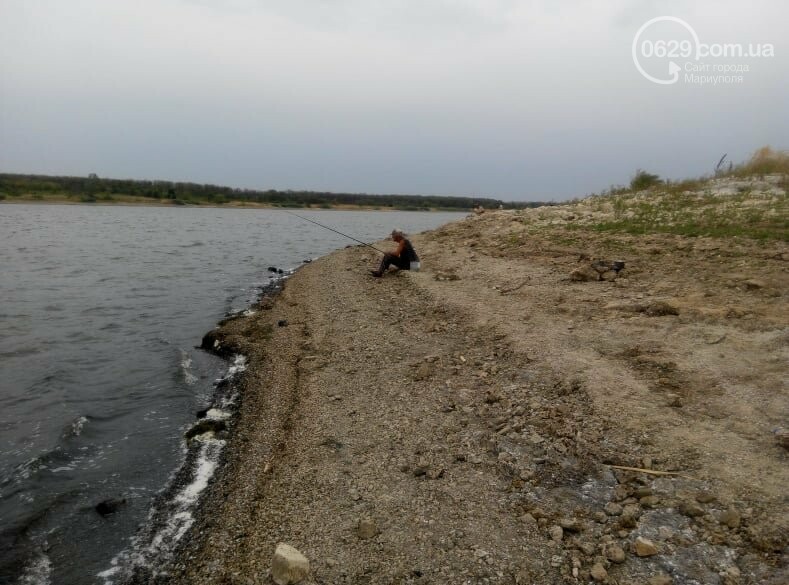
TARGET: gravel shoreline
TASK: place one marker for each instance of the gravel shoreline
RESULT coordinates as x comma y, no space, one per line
468,423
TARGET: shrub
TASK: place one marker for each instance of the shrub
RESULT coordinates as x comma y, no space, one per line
644,180
765,161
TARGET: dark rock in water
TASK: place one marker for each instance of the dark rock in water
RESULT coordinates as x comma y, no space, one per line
210,341
203,412
206,425
109,506
282,323
280,271
272,268
307,261
214,342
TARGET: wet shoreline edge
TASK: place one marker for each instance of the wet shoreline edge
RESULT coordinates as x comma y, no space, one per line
228,392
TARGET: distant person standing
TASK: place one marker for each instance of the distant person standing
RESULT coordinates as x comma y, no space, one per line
402,257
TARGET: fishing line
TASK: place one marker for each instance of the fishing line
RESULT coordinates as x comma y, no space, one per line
333,230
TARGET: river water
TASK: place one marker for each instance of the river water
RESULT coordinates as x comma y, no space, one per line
102,308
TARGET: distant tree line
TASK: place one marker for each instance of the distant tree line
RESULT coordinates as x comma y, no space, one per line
93,188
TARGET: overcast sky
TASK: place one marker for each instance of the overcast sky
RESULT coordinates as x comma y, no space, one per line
519,100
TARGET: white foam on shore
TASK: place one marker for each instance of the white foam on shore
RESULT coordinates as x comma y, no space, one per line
179,520
206,466
180,517
239,365
217,414
38,572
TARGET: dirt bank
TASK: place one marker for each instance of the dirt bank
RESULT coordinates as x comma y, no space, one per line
461,424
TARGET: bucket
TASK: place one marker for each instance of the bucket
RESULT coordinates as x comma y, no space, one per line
415,266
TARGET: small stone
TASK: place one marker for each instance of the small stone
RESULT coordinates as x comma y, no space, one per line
643,547
620,493
754,284
613,509
661,308
782,437
367,528
661,579
598,572
731,576
424,371
528,519
288,565
674,400
435,473
649,501
665,533
584,274
609,276
691,509
615,554
632,509
705,497
587,547
556,533
600,517
730,518
570,525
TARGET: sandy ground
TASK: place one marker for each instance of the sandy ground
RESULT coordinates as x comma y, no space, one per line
460,424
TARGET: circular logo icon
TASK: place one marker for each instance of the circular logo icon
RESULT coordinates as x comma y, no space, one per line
664,50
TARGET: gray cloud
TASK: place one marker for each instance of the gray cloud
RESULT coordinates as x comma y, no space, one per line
520,100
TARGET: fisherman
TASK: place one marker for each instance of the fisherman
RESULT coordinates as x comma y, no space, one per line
402,257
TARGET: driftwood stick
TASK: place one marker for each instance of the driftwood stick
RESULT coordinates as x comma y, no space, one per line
642,470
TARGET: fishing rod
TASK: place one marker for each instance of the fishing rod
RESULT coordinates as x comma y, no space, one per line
334,230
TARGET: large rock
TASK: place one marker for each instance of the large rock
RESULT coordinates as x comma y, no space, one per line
109,506
288,565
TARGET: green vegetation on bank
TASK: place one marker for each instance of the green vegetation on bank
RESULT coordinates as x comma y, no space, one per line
93,189
738,202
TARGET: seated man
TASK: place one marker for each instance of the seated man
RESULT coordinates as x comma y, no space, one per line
402,257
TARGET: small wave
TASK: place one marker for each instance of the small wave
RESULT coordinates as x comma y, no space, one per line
75,428
20,352
186,364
